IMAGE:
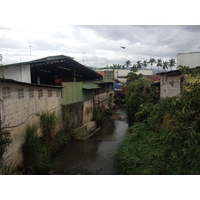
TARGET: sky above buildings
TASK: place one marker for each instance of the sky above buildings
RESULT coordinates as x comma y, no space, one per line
34,29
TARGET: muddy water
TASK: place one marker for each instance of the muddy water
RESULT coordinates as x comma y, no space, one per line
94,156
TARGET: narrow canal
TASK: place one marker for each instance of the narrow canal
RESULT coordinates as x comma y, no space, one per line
94,156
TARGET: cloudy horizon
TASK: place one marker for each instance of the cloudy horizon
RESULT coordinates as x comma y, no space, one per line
30,33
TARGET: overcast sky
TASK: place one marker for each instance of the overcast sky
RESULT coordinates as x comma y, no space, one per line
36,29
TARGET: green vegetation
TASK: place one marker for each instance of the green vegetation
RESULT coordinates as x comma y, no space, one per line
139,92
5,140
98,116
39,152
37,155
164,137
48,122
139,64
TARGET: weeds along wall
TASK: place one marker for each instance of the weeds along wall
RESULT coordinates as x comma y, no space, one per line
20,105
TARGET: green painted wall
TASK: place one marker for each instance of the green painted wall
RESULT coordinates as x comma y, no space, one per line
72,92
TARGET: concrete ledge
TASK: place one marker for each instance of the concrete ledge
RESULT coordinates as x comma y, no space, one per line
87,131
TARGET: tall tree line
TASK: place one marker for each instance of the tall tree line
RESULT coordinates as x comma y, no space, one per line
145,63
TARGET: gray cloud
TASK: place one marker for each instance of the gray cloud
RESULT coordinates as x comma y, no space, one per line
101,44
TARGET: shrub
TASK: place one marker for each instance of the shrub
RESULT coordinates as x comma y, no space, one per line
166,140
37,156
140,91
5,140
139,152
48,122
98,116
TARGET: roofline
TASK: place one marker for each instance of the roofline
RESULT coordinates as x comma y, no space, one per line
55,58
39,60
188,52
19,63
29,84
174,72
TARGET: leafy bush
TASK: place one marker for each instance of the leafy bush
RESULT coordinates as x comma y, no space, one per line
139,152
140,91
166,138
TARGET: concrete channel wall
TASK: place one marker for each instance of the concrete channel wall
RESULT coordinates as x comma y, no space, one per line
20,106
22,103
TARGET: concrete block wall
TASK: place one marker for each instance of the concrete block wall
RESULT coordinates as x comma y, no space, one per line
88,108
20,109
170,86
104,99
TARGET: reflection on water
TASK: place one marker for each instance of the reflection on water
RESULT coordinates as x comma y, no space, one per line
94,156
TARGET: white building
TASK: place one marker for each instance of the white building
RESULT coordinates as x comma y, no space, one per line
191,59
121,74
20,72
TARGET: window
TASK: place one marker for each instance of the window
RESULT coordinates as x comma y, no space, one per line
57,93
20,93
49,93
6,93
40,94
31,93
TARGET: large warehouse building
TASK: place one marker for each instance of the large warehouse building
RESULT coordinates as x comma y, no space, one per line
191,59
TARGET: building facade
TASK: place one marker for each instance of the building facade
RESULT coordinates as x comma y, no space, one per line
191,59
21,105
171,83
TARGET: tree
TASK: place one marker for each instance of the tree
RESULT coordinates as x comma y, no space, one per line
139,91
152,61
172,63
159,63
145,63
165,65
127,63
131,77
139,64
119,66
134,68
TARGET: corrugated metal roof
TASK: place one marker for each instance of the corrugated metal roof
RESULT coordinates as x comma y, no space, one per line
61,66
174,72
90,86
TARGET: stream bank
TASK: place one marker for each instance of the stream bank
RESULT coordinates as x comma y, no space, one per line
94,156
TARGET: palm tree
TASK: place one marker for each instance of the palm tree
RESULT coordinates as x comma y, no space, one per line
152,61
145,63
134,68
159,63
127,63
172,63
165,65
119,66
114,66
139,64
